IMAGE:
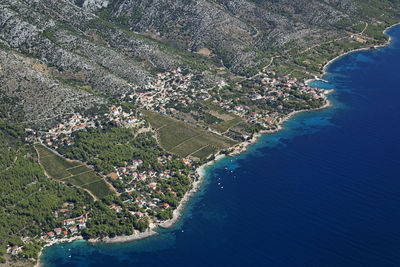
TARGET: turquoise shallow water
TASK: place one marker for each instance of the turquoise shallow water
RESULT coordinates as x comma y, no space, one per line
325,191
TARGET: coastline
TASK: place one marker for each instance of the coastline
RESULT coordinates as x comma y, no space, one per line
124,238
324,72
177,213
60,241
240,148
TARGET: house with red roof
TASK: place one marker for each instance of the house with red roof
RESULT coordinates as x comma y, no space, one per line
73,229
57,231
15,250
50,234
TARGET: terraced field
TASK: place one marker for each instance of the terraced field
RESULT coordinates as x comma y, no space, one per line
184,139
72,172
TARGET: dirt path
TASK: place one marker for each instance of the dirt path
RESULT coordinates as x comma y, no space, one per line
264,69
365,28
335,40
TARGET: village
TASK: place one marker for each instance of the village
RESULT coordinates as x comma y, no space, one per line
266,91
61,133
175,88
169,87
254,99
151,194
70,226
145,192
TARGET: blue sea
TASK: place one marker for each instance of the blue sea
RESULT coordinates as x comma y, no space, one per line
325,191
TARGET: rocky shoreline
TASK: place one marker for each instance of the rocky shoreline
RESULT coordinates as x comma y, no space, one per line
124,238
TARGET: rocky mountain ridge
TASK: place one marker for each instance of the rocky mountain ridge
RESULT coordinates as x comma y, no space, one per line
99,49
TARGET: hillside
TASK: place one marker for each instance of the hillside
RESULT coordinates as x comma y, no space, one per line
243,33
79,53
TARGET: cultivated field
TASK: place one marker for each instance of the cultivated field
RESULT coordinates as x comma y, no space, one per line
228,119
184,139
72,172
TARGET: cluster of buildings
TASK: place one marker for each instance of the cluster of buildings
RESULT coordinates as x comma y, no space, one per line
174,86
135,178
269,89
61,133
68,229
147,187
131,169
70,226
124,119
